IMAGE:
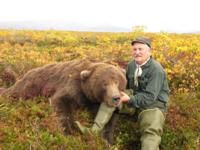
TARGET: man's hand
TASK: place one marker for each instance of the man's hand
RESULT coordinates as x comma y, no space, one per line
123,98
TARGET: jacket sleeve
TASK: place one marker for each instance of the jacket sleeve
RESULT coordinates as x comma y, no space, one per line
150,93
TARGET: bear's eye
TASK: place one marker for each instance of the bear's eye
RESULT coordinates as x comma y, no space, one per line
105,84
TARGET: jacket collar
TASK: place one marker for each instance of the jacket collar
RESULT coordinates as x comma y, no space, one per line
148,63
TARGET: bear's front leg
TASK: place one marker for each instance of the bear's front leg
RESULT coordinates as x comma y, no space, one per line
63,106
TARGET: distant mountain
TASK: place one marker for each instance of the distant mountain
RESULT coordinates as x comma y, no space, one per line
61,26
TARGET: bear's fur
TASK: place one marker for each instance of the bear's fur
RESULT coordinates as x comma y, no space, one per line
70,85
7,75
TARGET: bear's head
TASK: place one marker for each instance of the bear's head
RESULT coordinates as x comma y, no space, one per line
103,82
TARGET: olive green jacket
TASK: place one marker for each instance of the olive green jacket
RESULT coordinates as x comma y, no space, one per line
152,90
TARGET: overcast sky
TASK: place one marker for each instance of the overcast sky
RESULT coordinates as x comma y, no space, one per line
156,15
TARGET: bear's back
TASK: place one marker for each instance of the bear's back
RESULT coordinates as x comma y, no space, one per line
47,79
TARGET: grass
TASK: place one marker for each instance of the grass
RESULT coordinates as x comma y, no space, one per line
32,124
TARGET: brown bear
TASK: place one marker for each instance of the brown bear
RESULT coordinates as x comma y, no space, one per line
71,85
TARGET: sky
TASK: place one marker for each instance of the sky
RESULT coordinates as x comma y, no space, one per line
155,15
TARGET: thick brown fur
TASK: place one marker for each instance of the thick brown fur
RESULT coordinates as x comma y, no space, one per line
8,76
70,85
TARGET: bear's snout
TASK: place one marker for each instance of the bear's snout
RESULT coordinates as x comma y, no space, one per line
113,94
115,98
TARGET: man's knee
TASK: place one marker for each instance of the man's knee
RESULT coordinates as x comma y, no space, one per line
151,119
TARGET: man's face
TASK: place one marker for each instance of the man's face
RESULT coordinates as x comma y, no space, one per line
141,52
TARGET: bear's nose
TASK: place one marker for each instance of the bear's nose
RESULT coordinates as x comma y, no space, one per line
115,98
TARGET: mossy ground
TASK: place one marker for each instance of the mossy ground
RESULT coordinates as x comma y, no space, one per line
32,124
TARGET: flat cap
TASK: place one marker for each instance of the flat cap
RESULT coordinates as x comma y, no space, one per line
141,39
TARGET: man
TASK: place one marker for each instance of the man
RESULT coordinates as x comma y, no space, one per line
147,78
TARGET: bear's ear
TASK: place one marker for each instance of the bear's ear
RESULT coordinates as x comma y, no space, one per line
85,74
